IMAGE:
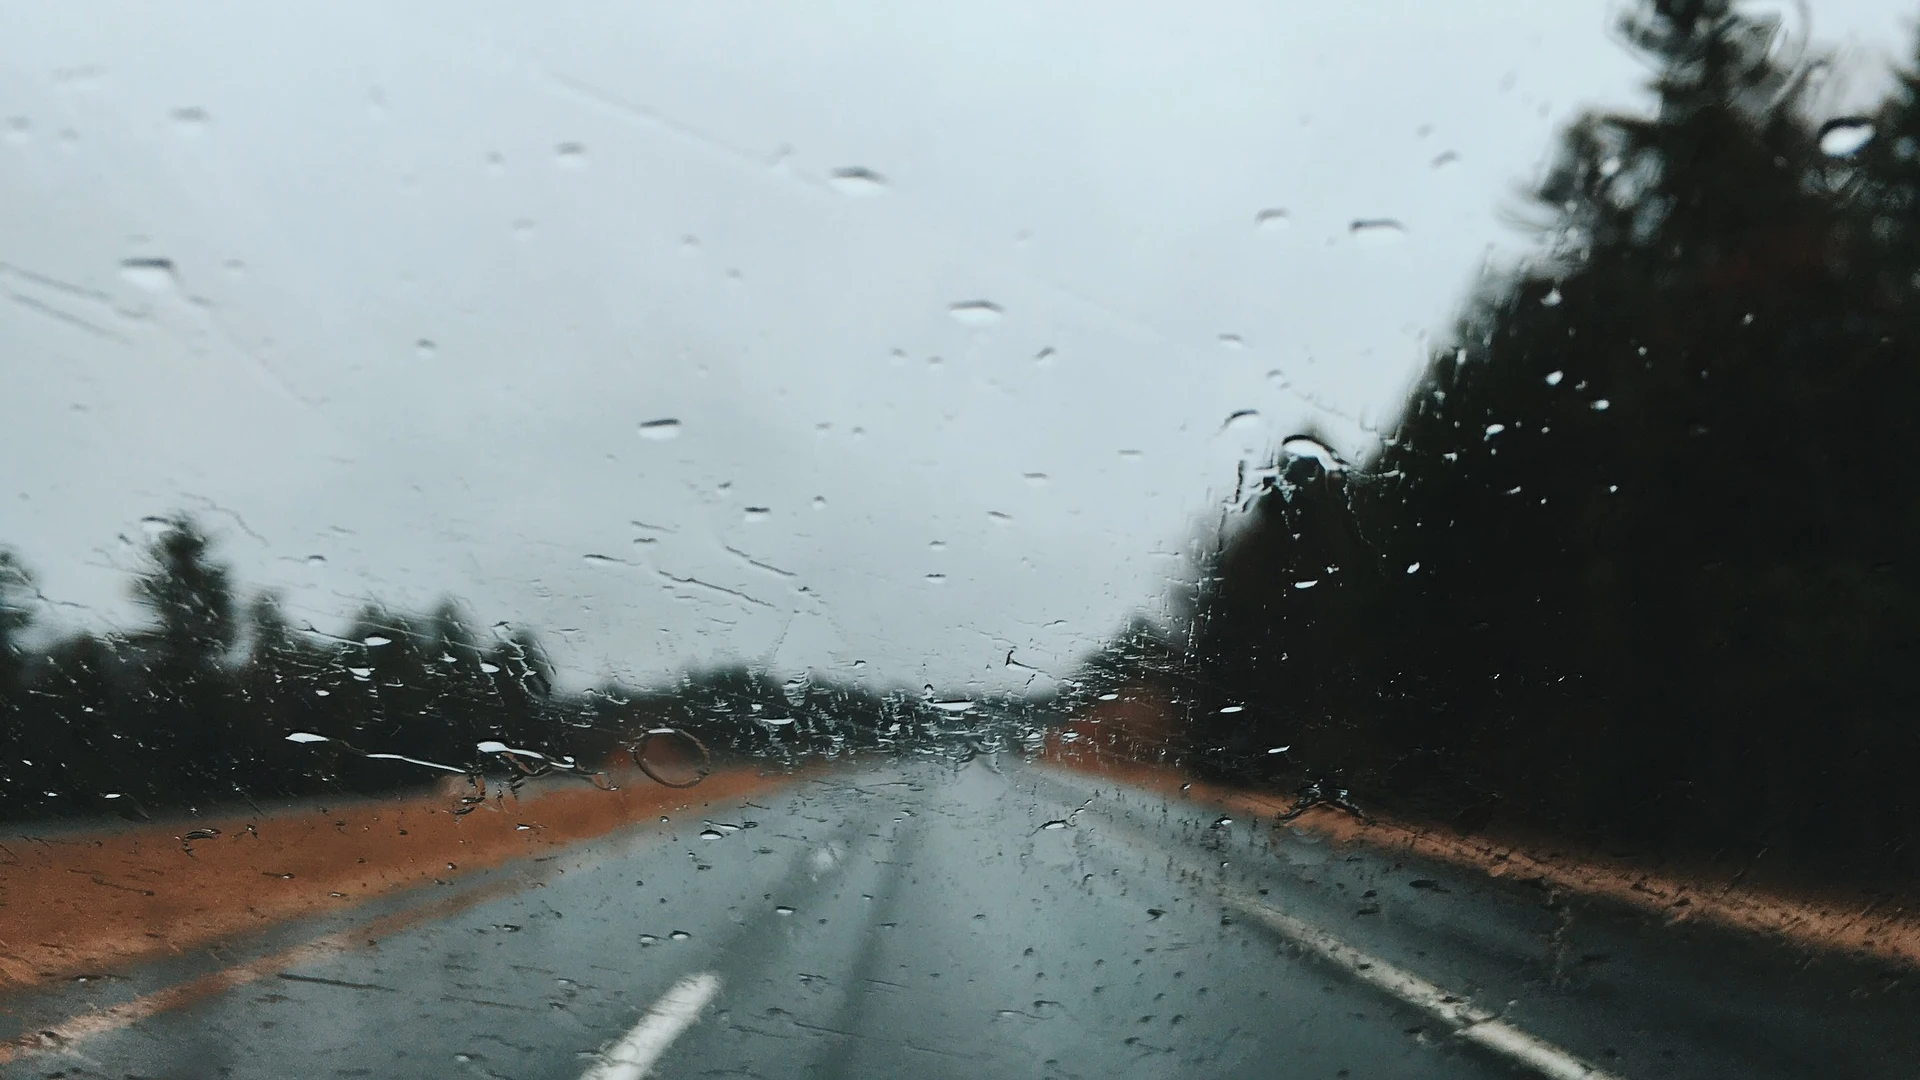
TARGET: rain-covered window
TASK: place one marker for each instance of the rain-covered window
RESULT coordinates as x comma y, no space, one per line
880,540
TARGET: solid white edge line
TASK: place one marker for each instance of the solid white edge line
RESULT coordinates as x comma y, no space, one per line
1477,1026
664,1020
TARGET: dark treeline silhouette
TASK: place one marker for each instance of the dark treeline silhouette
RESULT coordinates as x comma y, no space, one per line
195,708
1638,562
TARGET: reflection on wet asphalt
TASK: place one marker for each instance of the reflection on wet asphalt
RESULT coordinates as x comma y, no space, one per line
926,922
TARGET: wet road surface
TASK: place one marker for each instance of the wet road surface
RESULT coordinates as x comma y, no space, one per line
994,919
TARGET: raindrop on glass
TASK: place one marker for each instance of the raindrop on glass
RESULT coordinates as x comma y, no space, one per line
570,155
1846,136
660,430
152,275
857,181
425,349
1272,219
1377,232
976,312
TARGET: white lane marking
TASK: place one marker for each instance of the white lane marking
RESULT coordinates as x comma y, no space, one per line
675,1012
1474,1025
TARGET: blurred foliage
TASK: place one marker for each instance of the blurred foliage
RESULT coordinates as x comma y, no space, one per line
1633,565
195,709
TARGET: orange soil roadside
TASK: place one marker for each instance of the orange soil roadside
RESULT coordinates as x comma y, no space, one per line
84,903
1860,924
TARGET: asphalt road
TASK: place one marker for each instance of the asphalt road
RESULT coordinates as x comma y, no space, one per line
985,920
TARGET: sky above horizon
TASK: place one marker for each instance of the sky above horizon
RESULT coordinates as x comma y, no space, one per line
807,335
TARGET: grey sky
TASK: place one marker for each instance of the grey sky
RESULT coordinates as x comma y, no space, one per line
436,263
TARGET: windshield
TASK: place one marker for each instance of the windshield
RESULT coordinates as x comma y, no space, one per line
872,540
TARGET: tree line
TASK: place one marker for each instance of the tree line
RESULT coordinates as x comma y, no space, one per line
1639,560
197,707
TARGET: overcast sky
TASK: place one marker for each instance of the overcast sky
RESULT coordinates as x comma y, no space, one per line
948,303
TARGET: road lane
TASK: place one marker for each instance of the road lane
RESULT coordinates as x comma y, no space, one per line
927,921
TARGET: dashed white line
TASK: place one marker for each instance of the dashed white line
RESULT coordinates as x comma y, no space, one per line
675,1012
1455,1011
1469,1023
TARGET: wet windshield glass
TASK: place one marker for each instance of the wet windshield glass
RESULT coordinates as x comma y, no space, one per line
857,540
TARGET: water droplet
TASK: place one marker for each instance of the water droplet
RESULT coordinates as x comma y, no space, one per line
857,181
782,909
1232,341
648,940
1055,825
489,668
1133,455
1232,708
18,129
936,545
1445,159
712,834
374,641
757,514
1552,299
1035,479
936,579
1307,584
316,560
1279,749
360,672
1242,420
153,275
523,230
1554,377
1377,232
1495,429
1845,136
425,349
570,155
819,502
1413,568
679,935
1272,219
1309,447
957,705
592,559
976,312
1601,404
999,518
191,120
1110,696
660,430
672,757
306,737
